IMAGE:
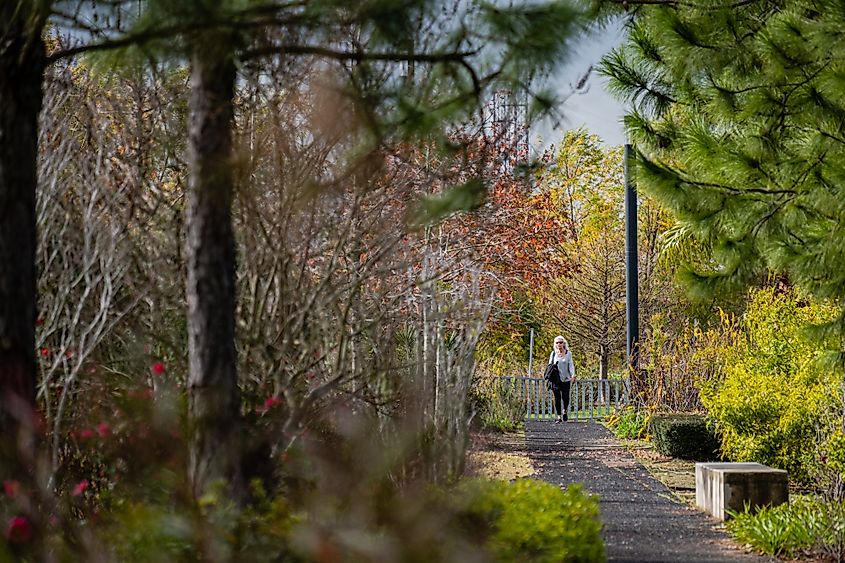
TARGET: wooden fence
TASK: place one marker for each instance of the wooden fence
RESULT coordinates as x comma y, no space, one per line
590,398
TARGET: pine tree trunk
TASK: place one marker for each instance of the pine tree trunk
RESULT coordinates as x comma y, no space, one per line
213,394
21,75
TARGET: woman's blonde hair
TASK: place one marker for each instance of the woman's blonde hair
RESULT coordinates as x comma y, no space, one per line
565,343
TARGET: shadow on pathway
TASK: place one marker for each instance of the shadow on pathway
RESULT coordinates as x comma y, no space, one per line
643,521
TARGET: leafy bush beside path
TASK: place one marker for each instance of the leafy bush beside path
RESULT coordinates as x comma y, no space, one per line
775,401
803,527
530,520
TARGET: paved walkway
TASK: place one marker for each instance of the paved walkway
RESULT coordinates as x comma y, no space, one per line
643,521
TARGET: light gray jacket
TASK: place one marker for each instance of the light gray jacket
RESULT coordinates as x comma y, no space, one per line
565,366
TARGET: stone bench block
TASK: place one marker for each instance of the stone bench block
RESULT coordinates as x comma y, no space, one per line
723,486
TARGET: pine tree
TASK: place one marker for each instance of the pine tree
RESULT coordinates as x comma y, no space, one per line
22,60
378,50
738,116
213,393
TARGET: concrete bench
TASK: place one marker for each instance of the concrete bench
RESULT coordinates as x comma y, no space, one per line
723,486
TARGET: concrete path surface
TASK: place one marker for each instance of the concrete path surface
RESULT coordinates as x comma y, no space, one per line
643,520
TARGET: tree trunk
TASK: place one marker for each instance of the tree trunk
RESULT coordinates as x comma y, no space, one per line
604,360
21,75
213,394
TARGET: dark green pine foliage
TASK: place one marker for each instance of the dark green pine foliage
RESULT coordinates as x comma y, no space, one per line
738,116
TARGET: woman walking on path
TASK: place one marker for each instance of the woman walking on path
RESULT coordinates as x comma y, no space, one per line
562,355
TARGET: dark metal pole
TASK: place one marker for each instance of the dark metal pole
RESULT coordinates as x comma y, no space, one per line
631,269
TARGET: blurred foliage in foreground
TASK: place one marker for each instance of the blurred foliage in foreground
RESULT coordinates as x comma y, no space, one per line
337,495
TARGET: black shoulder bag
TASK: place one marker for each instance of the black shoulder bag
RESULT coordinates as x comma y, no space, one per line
552,376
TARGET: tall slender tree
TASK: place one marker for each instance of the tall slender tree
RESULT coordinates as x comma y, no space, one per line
213,395
22,61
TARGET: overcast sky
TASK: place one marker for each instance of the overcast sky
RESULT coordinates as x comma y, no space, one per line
593,109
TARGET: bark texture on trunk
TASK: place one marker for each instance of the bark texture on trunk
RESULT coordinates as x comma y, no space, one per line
21,75
604,361
214,399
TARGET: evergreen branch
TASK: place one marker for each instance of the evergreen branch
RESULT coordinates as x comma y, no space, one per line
131,39
144,36
755,87
679,3
801,178
808,78
816,212
359,56
79,25
634,83
771,213
732,189
798,180
458,57
272,8
792,234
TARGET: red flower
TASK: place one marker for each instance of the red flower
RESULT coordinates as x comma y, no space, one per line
103,429
85,433
19,530
269,403
45,352
158,368
11,487
79,488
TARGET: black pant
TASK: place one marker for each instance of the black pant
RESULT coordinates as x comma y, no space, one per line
562,392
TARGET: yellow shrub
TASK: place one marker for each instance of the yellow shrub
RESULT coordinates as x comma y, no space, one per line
774,390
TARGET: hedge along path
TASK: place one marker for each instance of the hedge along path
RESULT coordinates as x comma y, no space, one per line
643,520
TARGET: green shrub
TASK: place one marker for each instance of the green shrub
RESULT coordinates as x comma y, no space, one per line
774,401
497,405
530,520
805,526
834,450
685,436
630,423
